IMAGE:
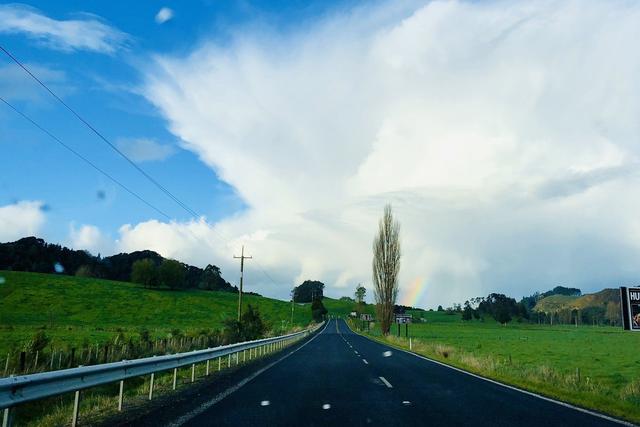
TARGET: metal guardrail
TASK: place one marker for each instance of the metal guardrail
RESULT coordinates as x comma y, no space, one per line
27,388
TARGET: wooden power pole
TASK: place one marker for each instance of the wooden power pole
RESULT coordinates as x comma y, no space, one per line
242,258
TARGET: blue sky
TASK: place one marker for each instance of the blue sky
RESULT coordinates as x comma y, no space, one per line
504,134
102,87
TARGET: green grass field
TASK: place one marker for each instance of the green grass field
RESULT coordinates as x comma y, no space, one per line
594,367
73,310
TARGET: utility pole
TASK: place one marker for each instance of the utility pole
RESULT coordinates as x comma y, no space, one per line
241,258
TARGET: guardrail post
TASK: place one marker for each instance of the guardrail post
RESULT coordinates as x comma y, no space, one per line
7,417
193,372
229,361
76,409
120,395
219,363
175,377
244,356
153,376
207,374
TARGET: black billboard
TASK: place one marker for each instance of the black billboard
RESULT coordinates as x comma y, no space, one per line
630,304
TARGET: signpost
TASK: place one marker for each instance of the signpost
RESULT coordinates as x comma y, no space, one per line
406,319
365,317
630,305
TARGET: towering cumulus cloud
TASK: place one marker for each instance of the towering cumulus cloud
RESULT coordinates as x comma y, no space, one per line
505,136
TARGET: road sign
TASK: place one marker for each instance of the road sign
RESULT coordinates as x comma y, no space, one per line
630,304
403,318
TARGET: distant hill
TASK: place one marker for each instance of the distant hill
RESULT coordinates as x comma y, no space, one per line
32,254
556,303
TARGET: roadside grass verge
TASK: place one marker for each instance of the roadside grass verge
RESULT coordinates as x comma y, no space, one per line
537,358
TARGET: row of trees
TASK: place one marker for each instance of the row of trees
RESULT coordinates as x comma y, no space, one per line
36,255
505,309
172,274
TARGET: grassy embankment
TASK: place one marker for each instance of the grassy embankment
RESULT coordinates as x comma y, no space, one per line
593,367
76,312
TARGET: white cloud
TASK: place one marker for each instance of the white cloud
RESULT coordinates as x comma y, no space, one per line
86,33
144,149
505,135
164,14
21,219
90,238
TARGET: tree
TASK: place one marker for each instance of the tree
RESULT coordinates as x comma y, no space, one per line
308,291
360,294
145,272
440,308
318,310
613,313
171,273
502,314
211,279
386,265
251,327
467,312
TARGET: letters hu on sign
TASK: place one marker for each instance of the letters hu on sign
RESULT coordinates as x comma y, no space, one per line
630,304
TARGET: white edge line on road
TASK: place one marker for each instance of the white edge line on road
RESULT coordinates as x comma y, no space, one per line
365,361
530,393
200,409
387,383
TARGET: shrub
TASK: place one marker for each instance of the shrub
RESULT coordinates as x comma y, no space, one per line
38,342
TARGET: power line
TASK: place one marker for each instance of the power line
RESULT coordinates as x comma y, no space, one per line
83,158
100,135
114,180
113,147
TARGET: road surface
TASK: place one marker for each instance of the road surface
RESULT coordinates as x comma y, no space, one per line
341,378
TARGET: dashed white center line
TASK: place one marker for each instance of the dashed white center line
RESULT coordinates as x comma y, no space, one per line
387,383
265,403
326,406
365,361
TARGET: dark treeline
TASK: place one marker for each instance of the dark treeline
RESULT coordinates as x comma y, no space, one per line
153,270
601,309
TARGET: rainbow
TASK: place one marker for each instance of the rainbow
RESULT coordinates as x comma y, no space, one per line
414,293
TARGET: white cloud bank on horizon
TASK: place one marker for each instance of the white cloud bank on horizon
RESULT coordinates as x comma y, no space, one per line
86,33
20,219
505,135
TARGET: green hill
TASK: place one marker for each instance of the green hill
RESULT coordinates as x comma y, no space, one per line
74,310
555,303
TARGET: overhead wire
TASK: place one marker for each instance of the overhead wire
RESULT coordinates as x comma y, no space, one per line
119,152
83,158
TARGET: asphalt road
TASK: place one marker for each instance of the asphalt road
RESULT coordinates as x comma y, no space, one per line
340,378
